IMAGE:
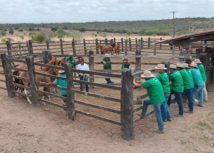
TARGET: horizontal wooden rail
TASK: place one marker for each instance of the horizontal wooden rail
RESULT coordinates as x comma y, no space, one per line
49,66
99,96
1,80
16,60
52,103
58,55
3,88
15,68
21,86
18,77
98,117
140,118
23,94
51,94
96,106
98,84
48,75
98,73
2,73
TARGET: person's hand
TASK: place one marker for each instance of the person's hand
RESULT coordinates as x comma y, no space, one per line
104,62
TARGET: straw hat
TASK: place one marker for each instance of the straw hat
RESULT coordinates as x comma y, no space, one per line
125,58
197,61
147,74
193,64
172,66
180,65
70,53
186,65
61,71
161,67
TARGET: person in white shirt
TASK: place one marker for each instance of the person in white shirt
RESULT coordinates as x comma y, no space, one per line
84,77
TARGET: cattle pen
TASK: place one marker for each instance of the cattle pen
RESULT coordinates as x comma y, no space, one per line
125,102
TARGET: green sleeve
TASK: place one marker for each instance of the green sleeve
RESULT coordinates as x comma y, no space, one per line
170,78
110,59
103,59
145,84
158,77
56,81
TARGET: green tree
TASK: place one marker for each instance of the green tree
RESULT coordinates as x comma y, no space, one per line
3,40
3,32
11,31
128,32
54,29
82,29
20,30
39,37
60,33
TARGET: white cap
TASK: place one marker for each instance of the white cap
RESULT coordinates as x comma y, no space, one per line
186,65
180,65
125,58
193,64
147,74
197,61
70,53
61,71
172,66
161,67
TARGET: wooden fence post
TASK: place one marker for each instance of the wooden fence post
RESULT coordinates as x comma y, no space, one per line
70,92
154,49
138,59
9,51
114,40
106,41
167,65
73,46
122,45
32,80
136,44
149,41
8,75
85,49
130,44
47,44
30,47
126,47
141,43
19,46
91,66
126,106
97,50
61,47
173,51
160,43
46,56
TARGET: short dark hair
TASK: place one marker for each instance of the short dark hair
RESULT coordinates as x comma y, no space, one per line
81,59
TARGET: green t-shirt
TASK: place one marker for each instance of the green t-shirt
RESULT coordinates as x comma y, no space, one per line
125,65
190,73
164,80
70,60
107,66
177,81
61,83
188,82
202,70
154,90
197,78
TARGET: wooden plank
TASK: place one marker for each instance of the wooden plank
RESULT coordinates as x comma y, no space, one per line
48,75
8,76
52,103
21,86
85,49
51,94
1,80
23,94
139,118
97,50
127,128
98,117
98,84
15,68
61,46
15,60
96,106
91,66
3,88
15,76
98,73
31,73
49,66
70,92
98,96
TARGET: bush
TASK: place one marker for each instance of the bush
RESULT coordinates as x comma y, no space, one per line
82,29
39,37
3,40
11,31
21,36
3,32
61,33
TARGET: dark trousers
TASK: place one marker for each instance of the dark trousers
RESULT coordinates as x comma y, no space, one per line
178,98
81,85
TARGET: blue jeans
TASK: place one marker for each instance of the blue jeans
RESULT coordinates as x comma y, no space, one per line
190,98
81,85
199,90
178,98
64,100
157,109
165,109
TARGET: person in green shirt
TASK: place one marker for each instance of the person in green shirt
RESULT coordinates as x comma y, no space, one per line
70,60
61,83
204,77
156,97
126,63
188,85
107,66
177,88
164,80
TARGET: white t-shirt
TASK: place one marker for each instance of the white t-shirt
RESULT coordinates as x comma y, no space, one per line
82,67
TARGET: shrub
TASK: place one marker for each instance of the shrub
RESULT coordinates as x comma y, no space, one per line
39,37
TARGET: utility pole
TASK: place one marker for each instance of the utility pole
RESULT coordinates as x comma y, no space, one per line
173,24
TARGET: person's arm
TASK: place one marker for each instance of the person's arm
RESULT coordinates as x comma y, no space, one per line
136,84
51,83
103,61
110,60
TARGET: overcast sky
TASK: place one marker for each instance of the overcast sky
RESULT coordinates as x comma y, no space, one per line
46,11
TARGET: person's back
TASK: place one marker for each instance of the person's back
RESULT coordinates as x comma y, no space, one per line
177,81
202,71
61,83
187,81
164,80
155,91
197,78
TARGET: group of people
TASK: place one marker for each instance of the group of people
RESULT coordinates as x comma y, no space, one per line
185,79
80,64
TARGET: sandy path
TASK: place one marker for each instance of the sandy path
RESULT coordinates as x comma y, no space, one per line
24,128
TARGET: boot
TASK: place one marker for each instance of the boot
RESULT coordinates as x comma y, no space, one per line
107,79
110,81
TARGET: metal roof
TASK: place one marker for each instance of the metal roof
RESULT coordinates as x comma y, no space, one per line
185,39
